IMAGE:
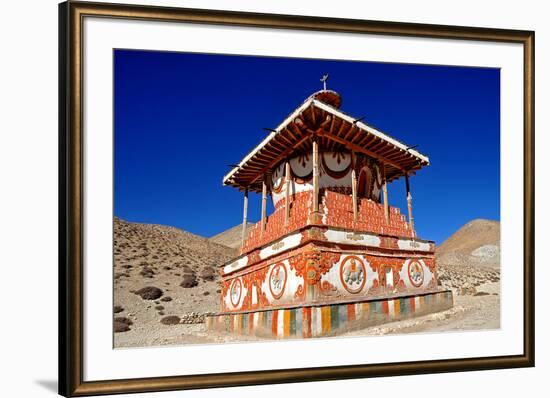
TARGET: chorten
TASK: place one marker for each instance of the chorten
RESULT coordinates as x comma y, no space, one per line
334,255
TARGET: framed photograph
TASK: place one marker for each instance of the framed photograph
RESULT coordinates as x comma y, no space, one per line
253,199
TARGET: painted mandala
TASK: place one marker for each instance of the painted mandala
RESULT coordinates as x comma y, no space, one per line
277,280
416,273
353,274
235,292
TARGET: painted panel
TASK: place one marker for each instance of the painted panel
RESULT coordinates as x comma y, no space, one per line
352,238
408,244
288,242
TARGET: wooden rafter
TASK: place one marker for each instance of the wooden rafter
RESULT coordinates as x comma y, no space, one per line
357,148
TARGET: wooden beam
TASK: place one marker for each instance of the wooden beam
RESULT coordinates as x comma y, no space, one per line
245,212
287,193
354,187
276,160
409,203
385,190
359,149
315,201
264,200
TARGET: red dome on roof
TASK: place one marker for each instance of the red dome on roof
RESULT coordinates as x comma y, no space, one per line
328,97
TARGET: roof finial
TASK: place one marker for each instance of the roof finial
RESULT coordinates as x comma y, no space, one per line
324,80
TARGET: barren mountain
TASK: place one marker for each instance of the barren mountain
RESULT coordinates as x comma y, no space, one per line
162,276
476,243
231,237
470,258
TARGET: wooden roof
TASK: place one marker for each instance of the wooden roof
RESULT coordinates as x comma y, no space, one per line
335,131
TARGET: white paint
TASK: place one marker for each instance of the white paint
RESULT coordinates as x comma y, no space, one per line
236,265
391,308
350,238
389,277
280,323
409,244
302,166
288,242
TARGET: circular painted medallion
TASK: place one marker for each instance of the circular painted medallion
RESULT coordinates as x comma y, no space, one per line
416,273
277,280
235,292
353,274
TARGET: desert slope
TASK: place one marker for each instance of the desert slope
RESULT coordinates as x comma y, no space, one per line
231,237
162,272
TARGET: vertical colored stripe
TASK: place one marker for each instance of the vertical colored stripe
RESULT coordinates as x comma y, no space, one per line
274,323
358,310
351,312
268,322
365,310
334,317
385,307
292,322
404,305
318,321
251,322
280,323
342,315
298,313
412,304
391,308
396,307
325,319
286,325
306,331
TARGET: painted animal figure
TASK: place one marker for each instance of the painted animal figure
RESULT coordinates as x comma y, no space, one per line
353,277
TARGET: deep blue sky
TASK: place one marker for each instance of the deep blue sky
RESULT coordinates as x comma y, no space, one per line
180,119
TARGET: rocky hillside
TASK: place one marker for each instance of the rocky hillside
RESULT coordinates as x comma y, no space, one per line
470,258
476,243
231,237
163,275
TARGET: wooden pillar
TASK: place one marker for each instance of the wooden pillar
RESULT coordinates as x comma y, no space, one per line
315,202
264,198
385,190
245,212
354,187
409,202
287,193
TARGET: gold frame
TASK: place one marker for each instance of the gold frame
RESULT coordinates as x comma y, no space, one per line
71,16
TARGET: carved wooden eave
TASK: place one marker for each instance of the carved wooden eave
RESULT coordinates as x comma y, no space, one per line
335,131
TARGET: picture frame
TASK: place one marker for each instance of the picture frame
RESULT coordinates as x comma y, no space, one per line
72,239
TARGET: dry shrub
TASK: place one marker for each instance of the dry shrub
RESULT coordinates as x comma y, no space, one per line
170,320
147,272
189,280
208,274
117,309
150,293
166,299
122,324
